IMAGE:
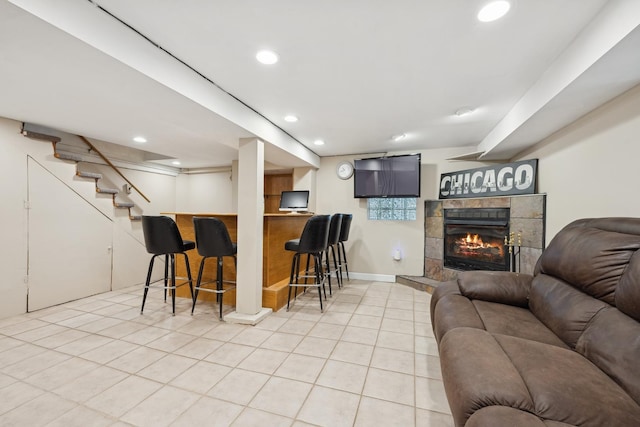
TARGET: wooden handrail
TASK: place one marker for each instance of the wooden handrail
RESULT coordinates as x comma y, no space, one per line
86,141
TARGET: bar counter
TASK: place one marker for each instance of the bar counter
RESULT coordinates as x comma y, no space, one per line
276,261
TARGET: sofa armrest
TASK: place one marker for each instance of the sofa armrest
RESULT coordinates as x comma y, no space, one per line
496,286
442,290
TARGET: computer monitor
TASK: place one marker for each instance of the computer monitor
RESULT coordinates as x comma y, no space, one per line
294,201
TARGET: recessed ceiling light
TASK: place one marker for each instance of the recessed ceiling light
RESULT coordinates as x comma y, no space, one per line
140,139
175,162
399,137
318,142
494,10
267,57
290,118
464,111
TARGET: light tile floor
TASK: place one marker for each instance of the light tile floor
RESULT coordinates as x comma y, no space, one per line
369,360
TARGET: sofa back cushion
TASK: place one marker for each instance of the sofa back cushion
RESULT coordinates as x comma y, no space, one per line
586,289
562,308
612,343
592,255
589,258
627,297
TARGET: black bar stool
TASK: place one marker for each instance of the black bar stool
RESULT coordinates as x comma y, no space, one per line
332,241
344,236
162,237
213,240
312,242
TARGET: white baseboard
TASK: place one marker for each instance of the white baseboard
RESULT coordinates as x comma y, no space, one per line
372,277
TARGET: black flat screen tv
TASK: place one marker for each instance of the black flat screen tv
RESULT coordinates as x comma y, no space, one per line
393,176
294,201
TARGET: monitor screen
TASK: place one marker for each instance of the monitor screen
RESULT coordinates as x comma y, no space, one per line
294,201
394,176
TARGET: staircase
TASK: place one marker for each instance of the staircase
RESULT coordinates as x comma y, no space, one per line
77,158
96,177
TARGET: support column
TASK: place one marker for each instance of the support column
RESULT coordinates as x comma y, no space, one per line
249,308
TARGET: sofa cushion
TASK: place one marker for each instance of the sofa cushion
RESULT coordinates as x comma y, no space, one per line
612,342
477,373
567,387
591,255
627,295
492,416
562,308
482,370
453,310
514,321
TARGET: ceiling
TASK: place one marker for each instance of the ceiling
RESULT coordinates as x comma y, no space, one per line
184,74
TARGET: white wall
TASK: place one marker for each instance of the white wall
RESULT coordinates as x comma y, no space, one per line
205,192
591,168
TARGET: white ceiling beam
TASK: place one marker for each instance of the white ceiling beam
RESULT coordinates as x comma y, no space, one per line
616,21
101,31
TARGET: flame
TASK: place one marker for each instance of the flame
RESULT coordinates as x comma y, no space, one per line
475,239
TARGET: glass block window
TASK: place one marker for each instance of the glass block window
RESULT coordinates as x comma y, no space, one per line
392,209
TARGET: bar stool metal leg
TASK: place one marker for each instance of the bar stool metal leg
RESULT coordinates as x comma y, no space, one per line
343,259
147,283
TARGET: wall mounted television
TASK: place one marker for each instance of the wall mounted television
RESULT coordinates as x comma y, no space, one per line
294,201
393,176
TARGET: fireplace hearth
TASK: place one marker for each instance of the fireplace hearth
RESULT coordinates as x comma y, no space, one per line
474,239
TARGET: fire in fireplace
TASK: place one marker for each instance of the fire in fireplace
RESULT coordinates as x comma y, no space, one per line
474,239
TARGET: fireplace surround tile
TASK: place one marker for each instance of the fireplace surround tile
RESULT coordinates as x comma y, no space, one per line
529,258
527,207
435,247
434,227
489,202
527,218
433,208
531,231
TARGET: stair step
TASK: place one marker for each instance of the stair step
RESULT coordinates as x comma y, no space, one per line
93,175
107,190
123,204
135,217
68,156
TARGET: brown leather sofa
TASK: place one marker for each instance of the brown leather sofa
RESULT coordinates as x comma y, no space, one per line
559,348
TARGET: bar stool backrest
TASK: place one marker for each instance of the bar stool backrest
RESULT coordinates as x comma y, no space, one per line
334,229
212,237
346,225
161,235
314,235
